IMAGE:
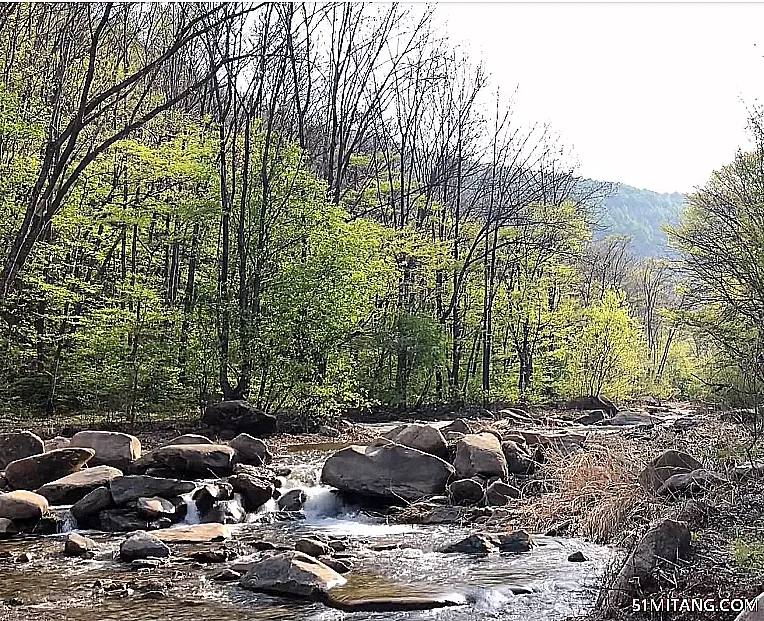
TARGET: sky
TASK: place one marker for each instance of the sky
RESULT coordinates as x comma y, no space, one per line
651,95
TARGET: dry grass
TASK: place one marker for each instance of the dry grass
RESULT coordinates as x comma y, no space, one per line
594,491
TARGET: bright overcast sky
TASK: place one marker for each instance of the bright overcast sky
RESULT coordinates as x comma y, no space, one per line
652,95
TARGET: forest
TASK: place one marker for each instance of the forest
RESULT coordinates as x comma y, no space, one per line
323,206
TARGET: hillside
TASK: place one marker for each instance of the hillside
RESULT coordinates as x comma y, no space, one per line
640,214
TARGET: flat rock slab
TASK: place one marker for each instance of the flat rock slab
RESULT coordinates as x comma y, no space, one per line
393,604
132,487
198,533
71,488
37,470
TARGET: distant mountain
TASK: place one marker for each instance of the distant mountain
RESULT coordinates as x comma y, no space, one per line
640,214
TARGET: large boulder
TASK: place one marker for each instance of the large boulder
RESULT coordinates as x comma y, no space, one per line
593,402
131,487
73,487
480,454
250,450
239,416
92,504
293,500
425,438
292,573
19,445
392,471
37,470
191,438
660,548
59,442
499,493
690,483
142,545
22,505
198,459
666,465
518,461
111,448
460,425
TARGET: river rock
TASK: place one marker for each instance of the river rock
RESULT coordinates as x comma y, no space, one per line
662,545
292,573
59,442
593,402
37,470
340,565
393,471
392,603
293,500
226,512
666,465
210,493
7,529
153,508
254,490
250,450
190,438
22,505
476,543
128,488
92,504
78,545
125,520
516,542
196,459
459,425
577,557
480,454
690,483
239,416
198,533
111,448
425,438
592,417
14,446
498,493
631,419
518,461
73,487
466,492
225,575
142,545
312,547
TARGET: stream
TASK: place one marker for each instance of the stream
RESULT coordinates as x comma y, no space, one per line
388,560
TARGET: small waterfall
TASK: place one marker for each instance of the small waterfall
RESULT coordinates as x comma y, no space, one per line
192,511
69,522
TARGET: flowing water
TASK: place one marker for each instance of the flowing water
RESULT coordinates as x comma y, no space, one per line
388,560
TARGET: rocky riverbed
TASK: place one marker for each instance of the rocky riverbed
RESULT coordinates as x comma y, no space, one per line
505,516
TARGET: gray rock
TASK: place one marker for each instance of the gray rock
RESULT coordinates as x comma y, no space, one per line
593,402
391,603
666,465
293,500
499,493
37,470
662,545
592,417
207,495
312,547
425,438
255,491
226,512
480,454
71,488
292,574
197,459
631,419
142,545
476,543
153,508
92,504
7,528
125,520
22,505
577,557
690,483
59,442
14,446
250,450
78,545
460,425
128,488
756,613
341,566
111,448
518,461
393,471
515,542
466,492
225,575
